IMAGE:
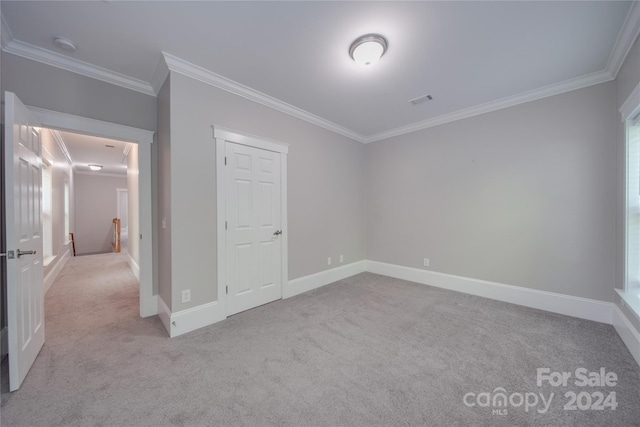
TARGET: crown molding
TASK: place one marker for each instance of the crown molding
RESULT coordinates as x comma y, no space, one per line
630,104
160,74
510,101
196,72
626,37
5,32
63,147
57,60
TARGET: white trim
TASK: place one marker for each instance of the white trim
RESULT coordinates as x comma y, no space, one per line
631,301
52,275
627,332
5,32
164,313
317,280
104,174
63,147
160,74
135,268
54,59
188,320
626,37
509,101
195,318
584,308
221,215
242,138
144,139
220,137
47,260
4,342
203,75
87,126
630,104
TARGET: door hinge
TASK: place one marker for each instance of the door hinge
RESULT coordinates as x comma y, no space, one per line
140,236
227,289
225,225
225,161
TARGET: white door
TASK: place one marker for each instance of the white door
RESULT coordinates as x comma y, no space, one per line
254,226
23,189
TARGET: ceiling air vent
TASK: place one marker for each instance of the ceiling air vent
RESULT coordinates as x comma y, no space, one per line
421,99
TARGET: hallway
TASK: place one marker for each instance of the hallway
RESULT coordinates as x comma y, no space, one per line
91,313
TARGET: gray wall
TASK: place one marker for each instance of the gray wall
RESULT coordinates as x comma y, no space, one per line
95,208
60,172
44,86
163,226
524,196
325,187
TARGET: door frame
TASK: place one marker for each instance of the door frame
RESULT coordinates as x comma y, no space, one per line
221,136
144,139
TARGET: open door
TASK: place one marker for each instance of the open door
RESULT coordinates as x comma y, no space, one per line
23,210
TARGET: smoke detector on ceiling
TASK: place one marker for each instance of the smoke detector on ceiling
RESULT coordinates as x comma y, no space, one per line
421,99
65,44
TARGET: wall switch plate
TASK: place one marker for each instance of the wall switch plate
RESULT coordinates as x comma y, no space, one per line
426,262
329,261
341,258
186,295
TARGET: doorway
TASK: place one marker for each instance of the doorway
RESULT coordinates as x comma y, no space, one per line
142,139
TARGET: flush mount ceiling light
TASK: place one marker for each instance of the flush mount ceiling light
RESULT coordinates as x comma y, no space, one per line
65,44
368,49
95,167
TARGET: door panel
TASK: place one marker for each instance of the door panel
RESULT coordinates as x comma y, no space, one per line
254,257
23,211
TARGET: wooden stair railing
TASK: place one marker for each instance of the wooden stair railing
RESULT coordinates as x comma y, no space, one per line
73,243
116,235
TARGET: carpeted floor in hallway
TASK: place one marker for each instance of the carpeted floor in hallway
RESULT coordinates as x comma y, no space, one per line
368,350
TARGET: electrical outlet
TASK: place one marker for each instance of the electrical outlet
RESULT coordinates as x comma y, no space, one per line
329,261
426,262
186,295
341,259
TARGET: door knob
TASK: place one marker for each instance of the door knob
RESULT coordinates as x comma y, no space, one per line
20,253
277,233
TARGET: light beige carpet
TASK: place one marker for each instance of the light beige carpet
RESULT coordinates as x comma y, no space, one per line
368,350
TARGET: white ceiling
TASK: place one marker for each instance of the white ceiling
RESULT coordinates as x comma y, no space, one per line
85,150
470,56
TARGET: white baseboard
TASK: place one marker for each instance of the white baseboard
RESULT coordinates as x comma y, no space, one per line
135,268
313,281
188,320
583,308
627,332
55,270
148,305
4,343
164,314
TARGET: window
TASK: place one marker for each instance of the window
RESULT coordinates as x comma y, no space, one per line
631,292
47,219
